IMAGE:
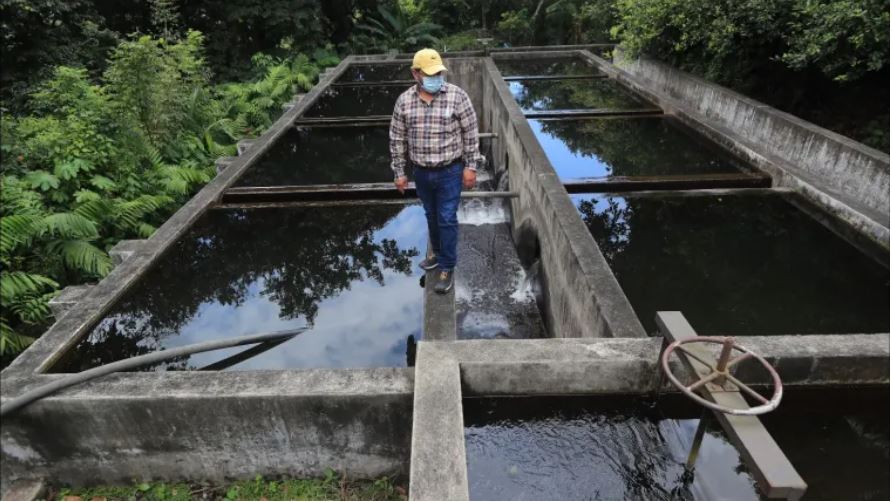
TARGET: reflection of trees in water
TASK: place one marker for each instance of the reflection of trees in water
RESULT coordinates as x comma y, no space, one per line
574,93
738,265
299,256
610,227
324,155
637,146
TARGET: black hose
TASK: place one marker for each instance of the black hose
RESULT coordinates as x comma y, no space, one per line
137,361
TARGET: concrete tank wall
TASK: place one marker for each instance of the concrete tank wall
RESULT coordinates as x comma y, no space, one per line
849,179
215,426
582,297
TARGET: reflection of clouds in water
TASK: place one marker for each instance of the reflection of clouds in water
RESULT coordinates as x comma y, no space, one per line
716,473
567,164
364,326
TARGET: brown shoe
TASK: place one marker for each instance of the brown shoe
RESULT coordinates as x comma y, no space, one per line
444,282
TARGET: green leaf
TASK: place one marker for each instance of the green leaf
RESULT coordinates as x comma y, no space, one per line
67,225
15,230
41,180
84,195
103,183
69,169
17,284
82,256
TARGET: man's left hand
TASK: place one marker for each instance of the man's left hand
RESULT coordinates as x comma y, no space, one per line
469,179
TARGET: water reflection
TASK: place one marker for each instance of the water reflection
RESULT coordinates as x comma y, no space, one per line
527,66
345,271
345,101
324,155
582,149
737,264
540,95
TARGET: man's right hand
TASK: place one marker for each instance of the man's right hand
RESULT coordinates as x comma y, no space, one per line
401,183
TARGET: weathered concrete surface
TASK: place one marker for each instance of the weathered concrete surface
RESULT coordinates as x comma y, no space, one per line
439,311
124,249
581,296
597,366
68,298
438,468
211,425
847,178
25,489
587,366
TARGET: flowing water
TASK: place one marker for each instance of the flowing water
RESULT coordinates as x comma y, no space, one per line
635,448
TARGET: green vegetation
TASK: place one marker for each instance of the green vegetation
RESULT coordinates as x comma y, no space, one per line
331,487
113,112
826,61
98,161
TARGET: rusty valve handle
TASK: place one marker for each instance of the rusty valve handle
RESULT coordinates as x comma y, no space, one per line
721,372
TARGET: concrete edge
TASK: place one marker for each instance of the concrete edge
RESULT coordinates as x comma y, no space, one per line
866,220
438,467
65,333
615,307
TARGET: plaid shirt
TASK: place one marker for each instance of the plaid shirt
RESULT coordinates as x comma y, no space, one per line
430,135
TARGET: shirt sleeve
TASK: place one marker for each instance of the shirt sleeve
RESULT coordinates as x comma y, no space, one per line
398,140
467,119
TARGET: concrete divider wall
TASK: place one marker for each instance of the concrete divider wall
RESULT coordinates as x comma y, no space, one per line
200,425
214,426
826,167
582,297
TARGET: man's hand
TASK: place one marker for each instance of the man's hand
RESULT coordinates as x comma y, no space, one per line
469,179
401,183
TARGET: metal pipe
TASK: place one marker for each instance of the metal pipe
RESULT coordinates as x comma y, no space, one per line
134,362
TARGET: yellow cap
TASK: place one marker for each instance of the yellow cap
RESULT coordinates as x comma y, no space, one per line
428,61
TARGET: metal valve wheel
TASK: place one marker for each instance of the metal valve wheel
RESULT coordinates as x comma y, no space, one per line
720,373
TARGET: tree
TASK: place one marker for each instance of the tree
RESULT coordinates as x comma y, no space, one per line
395,30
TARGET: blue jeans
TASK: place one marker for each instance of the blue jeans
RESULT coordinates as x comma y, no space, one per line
439,191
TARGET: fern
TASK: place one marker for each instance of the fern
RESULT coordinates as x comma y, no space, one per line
16,285
10,341
67,225
82,256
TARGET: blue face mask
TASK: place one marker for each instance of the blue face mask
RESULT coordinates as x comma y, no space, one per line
432,84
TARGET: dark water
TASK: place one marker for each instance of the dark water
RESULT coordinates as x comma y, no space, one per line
632,448
350,272
540,95
526,67
495,298
348,101
646,146
324,155
376,72
737,264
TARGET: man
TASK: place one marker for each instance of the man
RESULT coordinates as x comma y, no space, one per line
434,130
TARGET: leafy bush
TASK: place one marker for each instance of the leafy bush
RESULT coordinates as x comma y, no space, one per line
99,162
394,30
